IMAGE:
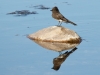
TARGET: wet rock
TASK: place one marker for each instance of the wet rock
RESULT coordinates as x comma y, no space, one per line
41,7
23,12
17,35
65,2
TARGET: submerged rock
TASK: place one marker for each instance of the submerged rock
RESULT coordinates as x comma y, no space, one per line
56,38
41,7
23,12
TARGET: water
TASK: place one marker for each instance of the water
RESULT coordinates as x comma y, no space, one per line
20,56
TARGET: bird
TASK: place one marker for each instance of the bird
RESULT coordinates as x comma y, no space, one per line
61,58
58,16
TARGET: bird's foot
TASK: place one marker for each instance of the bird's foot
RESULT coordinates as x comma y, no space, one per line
58,25
60,53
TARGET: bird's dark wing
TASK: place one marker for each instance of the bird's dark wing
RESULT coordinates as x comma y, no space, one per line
60,16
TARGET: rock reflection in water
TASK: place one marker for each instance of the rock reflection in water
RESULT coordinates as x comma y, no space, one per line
61,58
56,46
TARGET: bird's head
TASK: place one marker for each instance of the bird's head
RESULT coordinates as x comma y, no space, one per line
54,9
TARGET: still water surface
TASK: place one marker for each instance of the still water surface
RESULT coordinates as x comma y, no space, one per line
21,56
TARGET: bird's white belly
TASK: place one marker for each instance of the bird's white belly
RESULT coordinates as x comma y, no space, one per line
60,20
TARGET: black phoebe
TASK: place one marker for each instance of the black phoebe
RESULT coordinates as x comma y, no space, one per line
58,16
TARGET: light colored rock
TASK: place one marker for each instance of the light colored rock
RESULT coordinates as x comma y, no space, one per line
56,38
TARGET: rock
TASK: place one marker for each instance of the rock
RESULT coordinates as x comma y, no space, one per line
23,12
56,38
41,7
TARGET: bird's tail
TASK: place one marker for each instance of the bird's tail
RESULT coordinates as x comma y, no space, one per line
72,23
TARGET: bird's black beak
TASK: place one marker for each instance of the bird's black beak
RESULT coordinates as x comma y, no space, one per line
50,10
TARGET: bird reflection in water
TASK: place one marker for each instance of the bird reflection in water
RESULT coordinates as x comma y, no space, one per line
61,58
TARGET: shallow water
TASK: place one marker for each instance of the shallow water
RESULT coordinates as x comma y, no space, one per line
21,56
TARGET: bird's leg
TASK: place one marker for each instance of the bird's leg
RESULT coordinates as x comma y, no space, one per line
60,52
60,23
